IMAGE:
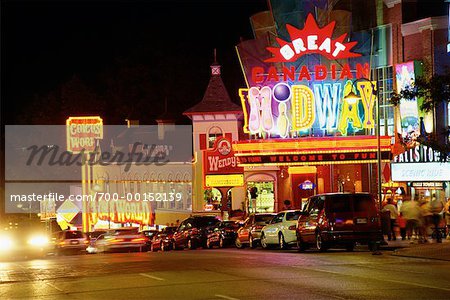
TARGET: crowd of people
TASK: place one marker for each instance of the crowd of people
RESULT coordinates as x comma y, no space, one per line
417,219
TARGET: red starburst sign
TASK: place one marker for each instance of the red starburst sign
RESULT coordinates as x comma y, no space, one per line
312,39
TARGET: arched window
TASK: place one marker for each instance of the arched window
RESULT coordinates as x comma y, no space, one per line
213,134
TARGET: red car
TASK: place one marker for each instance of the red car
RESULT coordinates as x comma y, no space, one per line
163,239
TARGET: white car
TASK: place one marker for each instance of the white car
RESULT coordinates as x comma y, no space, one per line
281,231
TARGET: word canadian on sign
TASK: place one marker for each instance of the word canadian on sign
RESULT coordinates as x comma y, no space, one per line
82,133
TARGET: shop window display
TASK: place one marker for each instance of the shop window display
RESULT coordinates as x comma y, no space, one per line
262,197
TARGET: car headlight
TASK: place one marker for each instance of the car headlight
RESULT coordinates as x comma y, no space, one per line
6,243
38,241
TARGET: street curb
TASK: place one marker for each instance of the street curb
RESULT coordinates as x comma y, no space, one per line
422,257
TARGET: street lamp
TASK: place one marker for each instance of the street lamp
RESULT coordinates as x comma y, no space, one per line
352,98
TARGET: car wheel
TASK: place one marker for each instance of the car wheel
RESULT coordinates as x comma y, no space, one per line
191,244
251,242
320,244
238,243
350,247
221,243
174,246
282,242
301,246
264,244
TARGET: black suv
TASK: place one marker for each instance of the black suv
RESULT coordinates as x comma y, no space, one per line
192,232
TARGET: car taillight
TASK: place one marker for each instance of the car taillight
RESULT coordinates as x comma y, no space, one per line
293,227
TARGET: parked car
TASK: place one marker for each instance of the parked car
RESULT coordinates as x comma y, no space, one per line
120,239
223,234
250,232
149,234
192,232
339,219
69,241
281,231
163,239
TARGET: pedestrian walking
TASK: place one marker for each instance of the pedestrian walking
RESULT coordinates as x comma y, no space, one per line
447,217
436,207
425,221
401,222
385,223
393,214
412,214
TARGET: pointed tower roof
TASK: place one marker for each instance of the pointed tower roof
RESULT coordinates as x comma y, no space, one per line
216,98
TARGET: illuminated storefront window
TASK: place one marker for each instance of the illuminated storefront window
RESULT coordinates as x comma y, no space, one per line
212,198
265,197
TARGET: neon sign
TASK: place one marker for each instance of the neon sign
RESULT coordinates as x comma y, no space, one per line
309,40
82,133
289,102
122,211
285,109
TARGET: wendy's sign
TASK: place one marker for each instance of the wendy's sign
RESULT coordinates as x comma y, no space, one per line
286,101
309,40
221,159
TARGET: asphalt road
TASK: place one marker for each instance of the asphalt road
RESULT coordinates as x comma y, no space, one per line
227,274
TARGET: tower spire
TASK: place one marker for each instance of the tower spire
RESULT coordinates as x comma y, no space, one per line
215,67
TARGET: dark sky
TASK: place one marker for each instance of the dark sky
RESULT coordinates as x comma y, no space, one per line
45,43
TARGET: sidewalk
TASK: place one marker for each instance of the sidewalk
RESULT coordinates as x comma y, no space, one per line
430,250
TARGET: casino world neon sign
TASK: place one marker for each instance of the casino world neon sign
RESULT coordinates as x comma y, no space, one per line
283,101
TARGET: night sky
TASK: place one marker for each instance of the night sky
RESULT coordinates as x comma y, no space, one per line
107,46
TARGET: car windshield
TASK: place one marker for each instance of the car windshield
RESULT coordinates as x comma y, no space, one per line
263,218
293,215
206,222
230,224
150,233
74,235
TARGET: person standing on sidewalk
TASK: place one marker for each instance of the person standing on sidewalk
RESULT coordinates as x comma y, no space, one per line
393,214
436,207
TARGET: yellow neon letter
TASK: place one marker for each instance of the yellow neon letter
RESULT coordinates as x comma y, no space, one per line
303,113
